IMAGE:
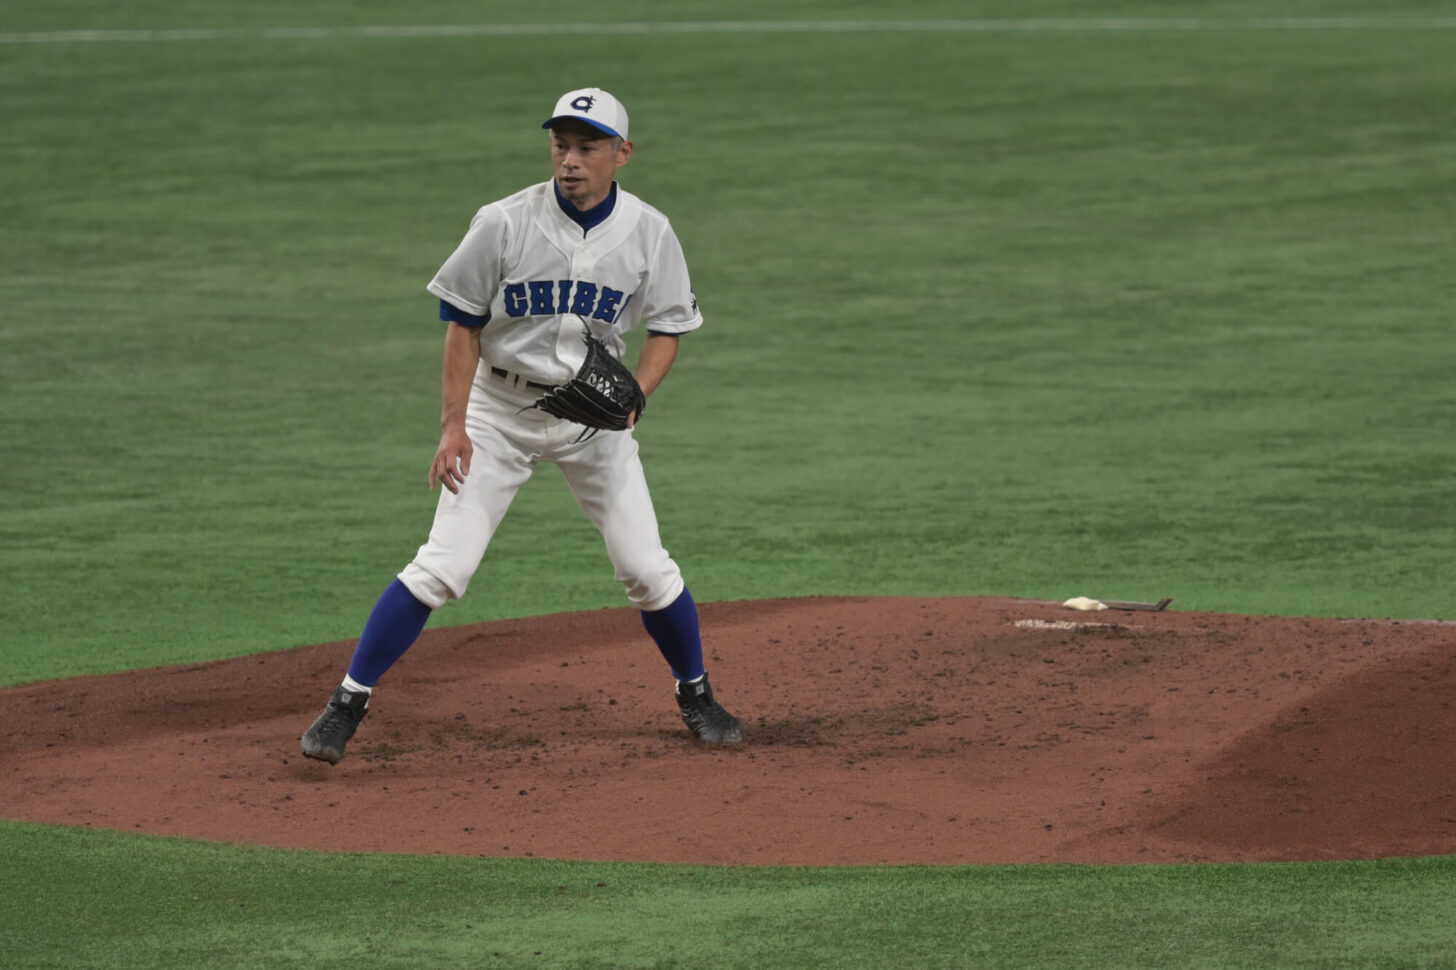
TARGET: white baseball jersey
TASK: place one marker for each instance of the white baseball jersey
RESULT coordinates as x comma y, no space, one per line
528,268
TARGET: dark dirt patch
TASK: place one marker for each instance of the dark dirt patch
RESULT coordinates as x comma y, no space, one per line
880,730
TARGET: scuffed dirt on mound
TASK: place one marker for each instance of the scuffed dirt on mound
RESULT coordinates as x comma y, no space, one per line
880,730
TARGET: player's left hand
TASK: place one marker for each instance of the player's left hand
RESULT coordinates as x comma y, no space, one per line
602,395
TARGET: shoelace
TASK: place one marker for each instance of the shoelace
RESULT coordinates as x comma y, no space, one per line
339,714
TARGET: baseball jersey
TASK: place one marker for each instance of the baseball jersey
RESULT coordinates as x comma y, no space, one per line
536,277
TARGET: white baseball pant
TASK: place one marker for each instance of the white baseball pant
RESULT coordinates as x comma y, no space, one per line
603,471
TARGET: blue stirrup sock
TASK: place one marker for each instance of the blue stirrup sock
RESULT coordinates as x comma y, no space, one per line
398,618
394,624
675,631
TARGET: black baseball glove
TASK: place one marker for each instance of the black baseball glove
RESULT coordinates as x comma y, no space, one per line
602,395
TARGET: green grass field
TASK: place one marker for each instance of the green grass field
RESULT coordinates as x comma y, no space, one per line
1014,310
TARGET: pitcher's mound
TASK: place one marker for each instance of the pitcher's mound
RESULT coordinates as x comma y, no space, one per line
880,730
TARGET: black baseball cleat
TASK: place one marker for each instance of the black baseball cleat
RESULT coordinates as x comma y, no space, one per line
704,716
326,736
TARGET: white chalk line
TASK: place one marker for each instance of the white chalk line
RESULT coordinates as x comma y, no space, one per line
1064,625
727,27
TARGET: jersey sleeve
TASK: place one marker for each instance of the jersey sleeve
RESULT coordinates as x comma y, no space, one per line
471,275
669,305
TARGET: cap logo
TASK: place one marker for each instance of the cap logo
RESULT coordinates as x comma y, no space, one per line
583,103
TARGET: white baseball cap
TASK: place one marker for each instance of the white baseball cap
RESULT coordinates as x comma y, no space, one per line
593,106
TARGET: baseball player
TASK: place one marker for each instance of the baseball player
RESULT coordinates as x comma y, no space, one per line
537,268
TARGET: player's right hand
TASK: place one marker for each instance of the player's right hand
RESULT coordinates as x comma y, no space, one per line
452,460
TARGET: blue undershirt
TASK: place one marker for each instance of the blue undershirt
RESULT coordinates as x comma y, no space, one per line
592,217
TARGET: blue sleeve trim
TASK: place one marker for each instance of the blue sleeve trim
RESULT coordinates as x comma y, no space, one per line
663,333
449,311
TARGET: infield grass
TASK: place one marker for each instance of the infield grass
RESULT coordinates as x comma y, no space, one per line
137,901
1116,312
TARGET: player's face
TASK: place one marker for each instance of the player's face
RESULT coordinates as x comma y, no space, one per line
584,162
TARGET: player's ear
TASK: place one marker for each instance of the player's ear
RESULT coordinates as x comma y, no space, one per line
624,153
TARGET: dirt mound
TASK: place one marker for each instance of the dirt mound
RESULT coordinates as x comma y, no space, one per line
880,730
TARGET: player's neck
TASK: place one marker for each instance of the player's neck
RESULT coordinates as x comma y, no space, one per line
586,218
